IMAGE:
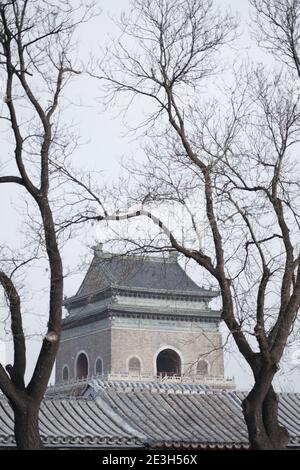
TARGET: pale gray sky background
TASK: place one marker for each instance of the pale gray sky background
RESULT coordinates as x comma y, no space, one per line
104,143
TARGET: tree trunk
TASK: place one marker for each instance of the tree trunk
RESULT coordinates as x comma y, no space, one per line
26,427
277,433
261,416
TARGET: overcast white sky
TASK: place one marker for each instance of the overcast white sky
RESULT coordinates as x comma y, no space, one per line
105,143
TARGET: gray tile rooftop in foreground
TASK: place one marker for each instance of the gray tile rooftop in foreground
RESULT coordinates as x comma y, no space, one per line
119,414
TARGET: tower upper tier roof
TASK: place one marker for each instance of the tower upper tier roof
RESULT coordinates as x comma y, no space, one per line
152,274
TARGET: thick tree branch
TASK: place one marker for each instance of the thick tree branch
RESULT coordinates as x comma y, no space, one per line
7,386
18,369
201,258
11,179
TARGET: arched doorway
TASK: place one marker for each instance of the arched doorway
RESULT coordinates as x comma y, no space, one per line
65,373
82,366
168,363
99,366
134,366
202,368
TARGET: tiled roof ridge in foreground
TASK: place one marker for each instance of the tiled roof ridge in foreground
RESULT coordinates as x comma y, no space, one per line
110,414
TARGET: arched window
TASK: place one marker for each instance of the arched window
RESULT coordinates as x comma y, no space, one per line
65,373
168,363
82,366
134,366
98,366
202,368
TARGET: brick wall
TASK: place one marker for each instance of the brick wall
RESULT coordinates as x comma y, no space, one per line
116,344
146,344
97,344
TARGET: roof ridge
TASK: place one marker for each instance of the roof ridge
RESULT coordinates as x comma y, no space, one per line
89,272
107,272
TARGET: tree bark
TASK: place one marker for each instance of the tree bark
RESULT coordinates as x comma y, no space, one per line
261,416
27,426
277,433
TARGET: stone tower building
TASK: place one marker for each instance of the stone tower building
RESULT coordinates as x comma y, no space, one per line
140,318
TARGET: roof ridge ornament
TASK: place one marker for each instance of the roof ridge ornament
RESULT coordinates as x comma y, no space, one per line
98,249
173,256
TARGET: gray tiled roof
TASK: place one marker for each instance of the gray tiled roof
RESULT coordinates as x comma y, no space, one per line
72,423
142,273
128,414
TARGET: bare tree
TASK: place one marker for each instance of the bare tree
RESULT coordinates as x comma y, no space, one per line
36,40
229,162
277,27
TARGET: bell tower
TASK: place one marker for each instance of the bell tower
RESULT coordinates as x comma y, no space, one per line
141,318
